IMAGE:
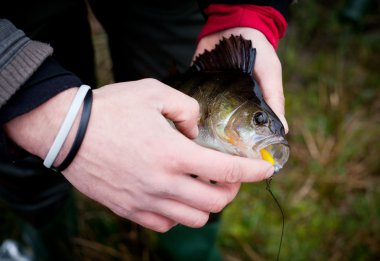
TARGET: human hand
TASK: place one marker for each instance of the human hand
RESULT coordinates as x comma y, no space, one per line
267,69
133,162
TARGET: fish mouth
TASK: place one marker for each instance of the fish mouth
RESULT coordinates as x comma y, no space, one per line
275,150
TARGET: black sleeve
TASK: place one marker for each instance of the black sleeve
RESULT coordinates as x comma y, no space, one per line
279,5
49,80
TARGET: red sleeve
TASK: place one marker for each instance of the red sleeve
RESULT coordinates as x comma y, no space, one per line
266,19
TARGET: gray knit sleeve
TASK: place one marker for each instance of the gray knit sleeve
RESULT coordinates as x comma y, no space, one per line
19,59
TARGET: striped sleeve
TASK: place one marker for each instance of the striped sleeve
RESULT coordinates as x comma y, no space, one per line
19,59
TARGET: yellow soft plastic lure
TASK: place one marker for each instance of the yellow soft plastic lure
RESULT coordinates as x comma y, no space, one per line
266,156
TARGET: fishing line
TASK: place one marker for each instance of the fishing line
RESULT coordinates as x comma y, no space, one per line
268,181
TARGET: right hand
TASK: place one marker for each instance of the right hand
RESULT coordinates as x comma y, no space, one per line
133,162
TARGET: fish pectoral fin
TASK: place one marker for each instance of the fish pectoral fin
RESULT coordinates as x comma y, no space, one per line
232,137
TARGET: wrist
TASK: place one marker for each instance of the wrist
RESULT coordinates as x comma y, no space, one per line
266,19
36,130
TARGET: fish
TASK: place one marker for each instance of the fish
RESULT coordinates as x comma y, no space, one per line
234,117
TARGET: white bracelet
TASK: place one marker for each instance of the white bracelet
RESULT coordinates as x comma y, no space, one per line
66,126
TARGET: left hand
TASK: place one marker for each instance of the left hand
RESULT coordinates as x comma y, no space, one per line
267,69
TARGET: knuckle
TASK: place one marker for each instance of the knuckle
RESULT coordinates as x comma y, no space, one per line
151,81
161,187
173,161
166,192
194,106
199,221
124,212
164,226
262,176
192,109
119,212
218,204
233,173
231,193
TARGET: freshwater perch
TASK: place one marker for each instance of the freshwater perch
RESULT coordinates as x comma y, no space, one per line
234,117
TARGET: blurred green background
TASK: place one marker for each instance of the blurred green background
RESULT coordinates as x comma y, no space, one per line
330,188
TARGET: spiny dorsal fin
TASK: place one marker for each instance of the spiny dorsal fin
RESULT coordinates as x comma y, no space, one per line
234,53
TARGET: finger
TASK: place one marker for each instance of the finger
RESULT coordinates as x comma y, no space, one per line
212,198
206,43
270,81
198,194
152,221
182,110
221,167
274,97
180,213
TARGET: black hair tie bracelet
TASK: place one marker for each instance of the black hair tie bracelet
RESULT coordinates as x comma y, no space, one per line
86,112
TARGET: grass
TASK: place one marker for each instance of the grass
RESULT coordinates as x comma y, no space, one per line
330,188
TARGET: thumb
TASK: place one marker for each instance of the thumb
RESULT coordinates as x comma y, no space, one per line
183,110
270,81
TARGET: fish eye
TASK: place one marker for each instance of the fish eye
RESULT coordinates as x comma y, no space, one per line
260,118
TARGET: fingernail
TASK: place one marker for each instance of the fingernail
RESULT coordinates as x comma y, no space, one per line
284,122
269,173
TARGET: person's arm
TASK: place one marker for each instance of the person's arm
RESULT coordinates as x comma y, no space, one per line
131,159
134,162
28,78
262,22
